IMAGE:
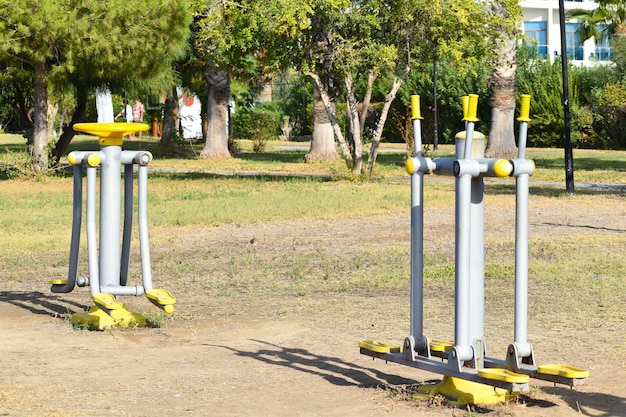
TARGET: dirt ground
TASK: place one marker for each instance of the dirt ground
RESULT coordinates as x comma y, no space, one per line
236,356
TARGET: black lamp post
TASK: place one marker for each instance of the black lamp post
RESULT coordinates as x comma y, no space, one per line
569,156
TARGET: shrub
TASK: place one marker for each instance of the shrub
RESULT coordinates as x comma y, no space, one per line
259,124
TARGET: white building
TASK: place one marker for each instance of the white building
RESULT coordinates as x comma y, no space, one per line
541,24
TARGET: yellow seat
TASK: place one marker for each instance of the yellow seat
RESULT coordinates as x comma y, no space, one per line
566,371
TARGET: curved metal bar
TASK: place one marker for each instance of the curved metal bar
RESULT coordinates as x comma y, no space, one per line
128,224
142,218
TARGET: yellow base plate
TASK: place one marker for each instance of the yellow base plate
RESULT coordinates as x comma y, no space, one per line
379,347
57,282
98,319
566,371
462,392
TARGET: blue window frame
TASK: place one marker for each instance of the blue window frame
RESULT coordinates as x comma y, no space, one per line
572,41
537,36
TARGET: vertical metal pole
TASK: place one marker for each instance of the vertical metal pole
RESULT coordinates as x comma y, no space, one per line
110,197
477,263
521,238
417,231
435,109
569,157
462,262
128,223
142,218
463,233
92,247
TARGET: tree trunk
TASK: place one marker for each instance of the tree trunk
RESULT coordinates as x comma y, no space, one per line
218,89
323,141
69,132
356,144
371,77
502,86
332,117
38,149
397,82
169,130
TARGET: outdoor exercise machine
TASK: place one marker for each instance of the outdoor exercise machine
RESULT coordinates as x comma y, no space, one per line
108,276
470,376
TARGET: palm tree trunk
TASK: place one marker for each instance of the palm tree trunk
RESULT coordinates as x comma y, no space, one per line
503,85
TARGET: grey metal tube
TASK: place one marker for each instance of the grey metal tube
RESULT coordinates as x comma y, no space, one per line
521,250
462,267
110,216
417,244
128,224
521,266
92,242
142,217
123,290
477,269
521,146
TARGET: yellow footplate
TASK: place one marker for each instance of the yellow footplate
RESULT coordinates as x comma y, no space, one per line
379,347
163,299
107,301
565,371
440,345
503,375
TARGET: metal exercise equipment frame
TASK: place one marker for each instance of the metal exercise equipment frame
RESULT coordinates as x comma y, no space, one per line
466,359
108,275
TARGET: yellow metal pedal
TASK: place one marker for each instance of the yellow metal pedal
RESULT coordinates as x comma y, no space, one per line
440,345
107,301
503,375
379,347
162,298
565,371
57,281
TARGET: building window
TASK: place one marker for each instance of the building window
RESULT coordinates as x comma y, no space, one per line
537,37
572,41
603,47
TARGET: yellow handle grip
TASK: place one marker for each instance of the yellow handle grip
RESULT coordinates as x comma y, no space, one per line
524,111
472,108
465,104
415,107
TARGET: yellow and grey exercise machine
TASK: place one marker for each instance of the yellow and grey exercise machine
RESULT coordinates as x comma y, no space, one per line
470,376
108,275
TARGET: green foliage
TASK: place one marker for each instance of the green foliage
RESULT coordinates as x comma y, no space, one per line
259,123
452,84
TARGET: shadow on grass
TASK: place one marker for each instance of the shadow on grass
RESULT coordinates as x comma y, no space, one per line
41,304
253,176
